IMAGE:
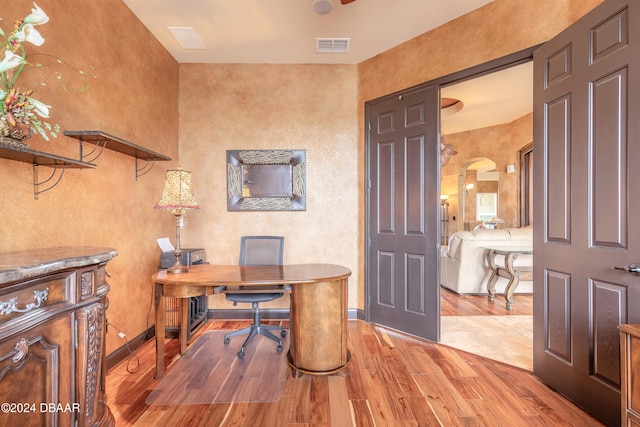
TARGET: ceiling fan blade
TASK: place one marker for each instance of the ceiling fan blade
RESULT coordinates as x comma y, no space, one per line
346,1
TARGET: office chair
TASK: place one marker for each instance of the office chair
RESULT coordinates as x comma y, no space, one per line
258,250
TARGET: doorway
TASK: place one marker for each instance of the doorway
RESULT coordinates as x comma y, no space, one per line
390,293
489,133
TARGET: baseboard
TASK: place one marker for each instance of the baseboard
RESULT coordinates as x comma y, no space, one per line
124,351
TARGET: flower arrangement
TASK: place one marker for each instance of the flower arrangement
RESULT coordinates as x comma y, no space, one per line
18,106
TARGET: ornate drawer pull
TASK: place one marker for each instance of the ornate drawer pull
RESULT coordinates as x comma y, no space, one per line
11,306
21,350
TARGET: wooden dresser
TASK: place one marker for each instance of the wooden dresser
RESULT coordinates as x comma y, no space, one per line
630,374
52,337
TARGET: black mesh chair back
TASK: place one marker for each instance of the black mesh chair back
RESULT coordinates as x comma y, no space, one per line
261,250
258,250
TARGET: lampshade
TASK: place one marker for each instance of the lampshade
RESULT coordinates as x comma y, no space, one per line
177,195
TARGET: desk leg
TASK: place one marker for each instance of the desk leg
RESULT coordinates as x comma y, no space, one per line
318,331
184,321
491,284
159,307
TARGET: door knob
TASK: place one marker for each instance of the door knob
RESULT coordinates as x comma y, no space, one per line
631,268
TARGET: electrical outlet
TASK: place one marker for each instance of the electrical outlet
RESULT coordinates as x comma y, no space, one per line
122,335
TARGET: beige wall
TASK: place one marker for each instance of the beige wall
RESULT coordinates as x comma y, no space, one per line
499,144
314,107
310,107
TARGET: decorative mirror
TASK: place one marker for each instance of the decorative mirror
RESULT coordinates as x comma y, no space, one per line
266,180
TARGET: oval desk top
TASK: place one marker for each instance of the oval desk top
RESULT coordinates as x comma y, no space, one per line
213,275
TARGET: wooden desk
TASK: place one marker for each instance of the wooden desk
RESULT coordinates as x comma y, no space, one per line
508,271
318,314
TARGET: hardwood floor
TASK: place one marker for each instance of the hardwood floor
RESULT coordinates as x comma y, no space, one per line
394,380
452,304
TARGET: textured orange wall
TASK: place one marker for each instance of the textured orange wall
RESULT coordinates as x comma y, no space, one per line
134,96
257,106
499,144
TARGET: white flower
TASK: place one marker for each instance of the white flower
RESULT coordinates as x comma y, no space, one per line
29,34
11,60
37,17
40,108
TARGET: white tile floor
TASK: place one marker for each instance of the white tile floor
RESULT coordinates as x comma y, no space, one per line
508,339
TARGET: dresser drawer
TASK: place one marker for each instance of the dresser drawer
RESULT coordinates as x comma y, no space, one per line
91,282
24,303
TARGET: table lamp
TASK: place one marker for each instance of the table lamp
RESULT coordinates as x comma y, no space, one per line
178,198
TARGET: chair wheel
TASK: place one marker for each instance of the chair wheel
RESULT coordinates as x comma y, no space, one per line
226,340
283,333
279,349
241,354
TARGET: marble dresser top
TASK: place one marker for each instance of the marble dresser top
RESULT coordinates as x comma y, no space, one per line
23,265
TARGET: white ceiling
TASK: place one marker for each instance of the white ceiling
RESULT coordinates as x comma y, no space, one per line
285,32
490,100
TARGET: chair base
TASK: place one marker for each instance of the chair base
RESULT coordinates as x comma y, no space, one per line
253,330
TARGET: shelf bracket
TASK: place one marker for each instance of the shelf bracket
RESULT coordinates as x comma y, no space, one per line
145,158
100,143
52,180
144,168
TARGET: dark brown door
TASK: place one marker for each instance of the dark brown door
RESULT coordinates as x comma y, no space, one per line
403,204
587,210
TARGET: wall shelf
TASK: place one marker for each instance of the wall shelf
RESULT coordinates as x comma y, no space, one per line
102,140
8,150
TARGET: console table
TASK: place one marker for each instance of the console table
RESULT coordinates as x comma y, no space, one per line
52,337
507,270
318,313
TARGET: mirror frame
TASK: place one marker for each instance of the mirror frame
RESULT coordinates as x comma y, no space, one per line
239,195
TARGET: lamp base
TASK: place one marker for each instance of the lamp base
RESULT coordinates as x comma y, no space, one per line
178,268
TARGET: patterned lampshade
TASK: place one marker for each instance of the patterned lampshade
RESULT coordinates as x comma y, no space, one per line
177,195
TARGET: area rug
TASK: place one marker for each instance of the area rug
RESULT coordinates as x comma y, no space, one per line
210,372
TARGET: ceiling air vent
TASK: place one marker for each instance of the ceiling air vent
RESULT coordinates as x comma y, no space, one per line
187,37
332,45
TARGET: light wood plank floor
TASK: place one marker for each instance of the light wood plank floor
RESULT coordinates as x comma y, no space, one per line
394,380
452,304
